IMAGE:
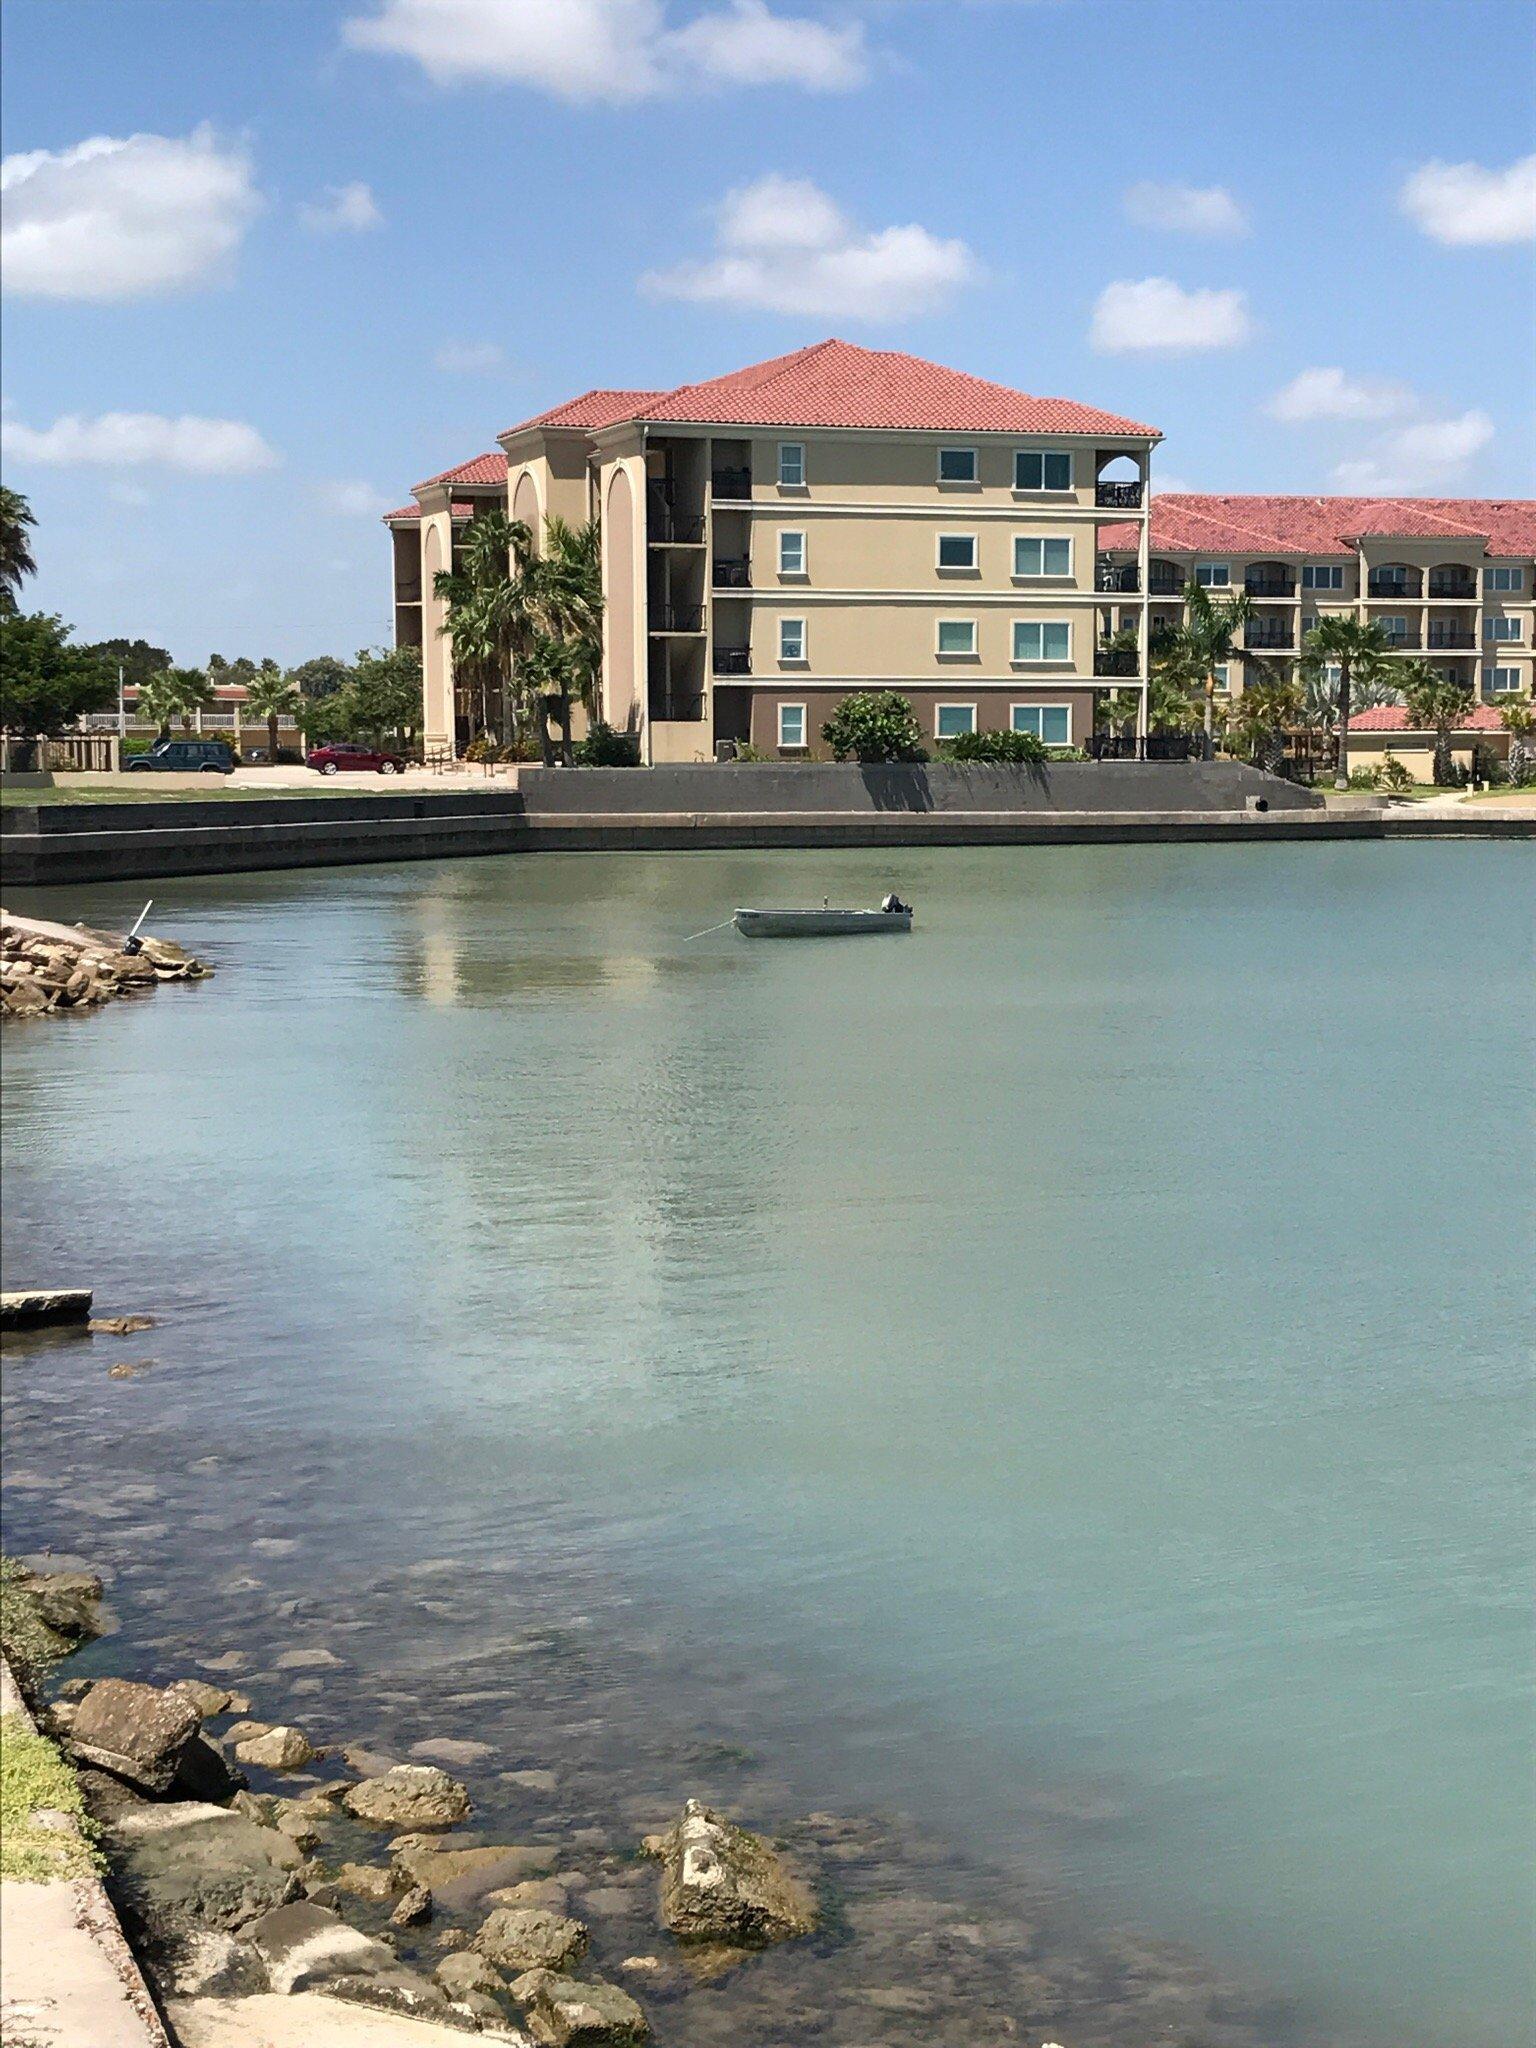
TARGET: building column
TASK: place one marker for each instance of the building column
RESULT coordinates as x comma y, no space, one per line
1143,578
437,719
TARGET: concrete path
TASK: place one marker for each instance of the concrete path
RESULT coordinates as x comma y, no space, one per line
309,2020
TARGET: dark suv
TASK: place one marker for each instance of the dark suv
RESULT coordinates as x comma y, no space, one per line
187,757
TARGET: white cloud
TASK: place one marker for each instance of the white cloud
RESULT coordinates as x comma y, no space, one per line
785,246
123,219
748,45
1186,209
613,50
1429,455
1154,313
346,209
133,495
471,358
1177,486
139,440
351,500
1331,395
1465,203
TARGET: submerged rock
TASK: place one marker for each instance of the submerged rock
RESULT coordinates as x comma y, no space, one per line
305,1945
461,1876
529,1938
137,1732
203,1864
465,1971
721,1883
409,1796
563,2013
276,1749
368,1881
207,1699
69,1602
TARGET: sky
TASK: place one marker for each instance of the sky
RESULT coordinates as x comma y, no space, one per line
267,263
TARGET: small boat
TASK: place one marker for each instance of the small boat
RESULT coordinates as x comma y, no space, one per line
823,923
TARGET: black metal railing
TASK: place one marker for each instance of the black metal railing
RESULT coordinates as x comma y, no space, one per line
1270,586
1116,661
1452,636
677,618
1408,638
675,708
732,574
731,483
1165,583
683,529
1379,584
1109,576
1156,746
733,661
1452,586
1123,497
1264,633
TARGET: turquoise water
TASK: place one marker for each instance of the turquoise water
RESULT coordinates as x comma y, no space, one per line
1078,1357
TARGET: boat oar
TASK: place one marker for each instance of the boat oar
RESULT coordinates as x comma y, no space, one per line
708,929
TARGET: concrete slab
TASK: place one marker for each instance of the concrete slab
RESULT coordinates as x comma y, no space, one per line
310,2020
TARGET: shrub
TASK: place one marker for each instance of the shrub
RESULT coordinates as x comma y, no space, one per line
605,748
1365,778
483,748
1393,775
996,746
874,725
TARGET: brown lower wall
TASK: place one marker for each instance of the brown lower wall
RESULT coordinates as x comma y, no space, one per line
994,709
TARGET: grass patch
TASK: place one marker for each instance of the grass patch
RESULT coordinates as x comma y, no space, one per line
30,1645
142,790
34,1779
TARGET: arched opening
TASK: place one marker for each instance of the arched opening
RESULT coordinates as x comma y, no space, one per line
1119,479
1394,579
526,507
1270,579
618,687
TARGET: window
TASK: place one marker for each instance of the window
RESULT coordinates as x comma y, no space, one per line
957,550
791,725
1034,641
1308,622
1394,625
1333,674
791,465
1050,723
1042,469
957,465
1213,575
791,552
950,720
957,636
791,639
1499,682
1041,557
1322,576
1505,579
1220,672
1501,629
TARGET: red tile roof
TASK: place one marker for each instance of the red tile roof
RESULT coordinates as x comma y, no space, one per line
1192,522
1394,718
593,410
410,515
490,468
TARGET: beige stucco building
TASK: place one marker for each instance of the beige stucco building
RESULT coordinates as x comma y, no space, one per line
836,519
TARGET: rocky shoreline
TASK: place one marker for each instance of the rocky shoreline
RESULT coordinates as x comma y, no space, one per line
49,968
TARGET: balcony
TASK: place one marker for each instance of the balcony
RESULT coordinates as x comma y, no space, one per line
1107,576
1270,586
731,483
676,707
677,618
732,573
1383,583
1442,584
733,661
1268,634
1460,637
1165,583
1118,497
1406,642
1116,661
666,528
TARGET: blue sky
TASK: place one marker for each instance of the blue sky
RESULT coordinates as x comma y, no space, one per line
361,238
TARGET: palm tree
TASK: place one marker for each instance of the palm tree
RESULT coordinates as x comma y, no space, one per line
1361,651
174,693
1205,641
487,617
1270,702
1437,703
565,603
16,516
272,694
1517,715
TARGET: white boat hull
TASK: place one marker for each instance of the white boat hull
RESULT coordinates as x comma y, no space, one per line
818,924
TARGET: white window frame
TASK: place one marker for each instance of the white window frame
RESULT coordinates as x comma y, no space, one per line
1042,541
1502,628
792,533
1210,580
1492,687
797,621
956,568
938,714
1505,578
1039,711
1322,576
1042,488
958,449
796,449
1042,659
943,653
1222,671
792,746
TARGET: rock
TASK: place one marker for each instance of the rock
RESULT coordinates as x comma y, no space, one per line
304,1945
315,1659
119,1326
721,1883
207,1699
446,1750
529,1938
278,1749
532,1781
242,1731
31,1309
368,1881
297,1825
191,1862
549,1892
260,1807
75,1689
409,1796
465,1972
641,1966
208,1963
70,1602
563,2013
135,1731
461,1877
204,1772
414,1908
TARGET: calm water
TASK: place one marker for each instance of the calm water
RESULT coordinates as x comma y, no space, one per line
1066,1373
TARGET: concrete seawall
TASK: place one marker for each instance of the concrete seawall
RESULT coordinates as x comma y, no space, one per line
673,809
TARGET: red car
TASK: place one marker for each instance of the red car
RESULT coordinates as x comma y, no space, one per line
357,760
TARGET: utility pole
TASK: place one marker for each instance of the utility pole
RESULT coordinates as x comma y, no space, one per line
122,713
